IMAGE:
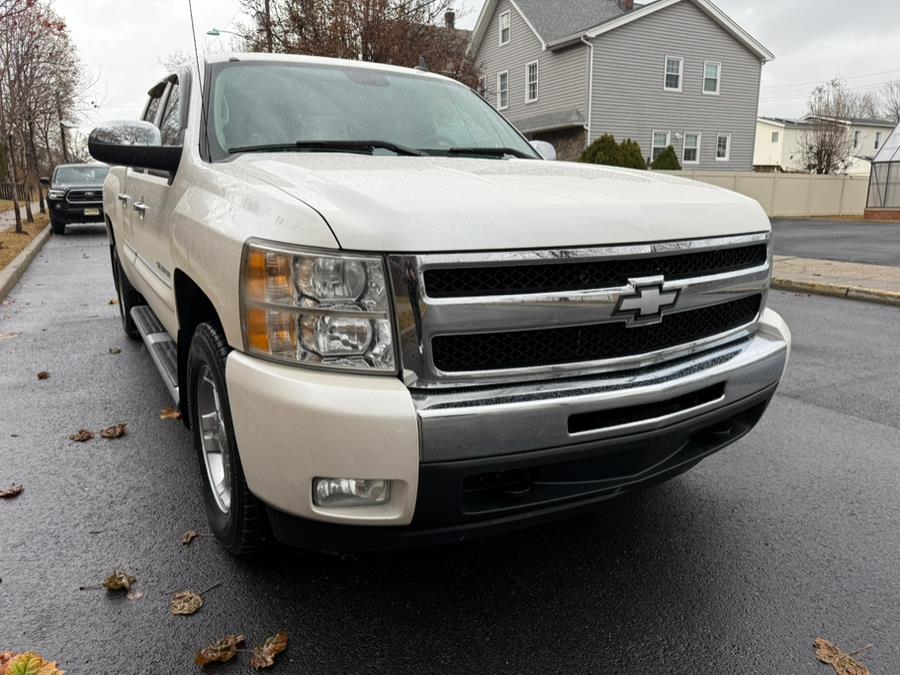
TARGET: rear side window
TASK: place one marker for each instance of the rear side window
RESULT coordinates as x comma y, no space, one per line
152,107
170,124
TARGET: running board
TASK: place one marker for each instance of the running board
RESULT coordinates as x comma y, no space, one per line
161,346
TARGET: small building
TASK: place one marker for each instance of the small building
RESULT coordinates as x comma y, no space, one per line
779,143
669,72
884,181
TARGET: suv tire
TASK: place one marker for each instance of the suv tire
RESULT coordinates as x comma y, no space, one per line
56,226
235,515
128,296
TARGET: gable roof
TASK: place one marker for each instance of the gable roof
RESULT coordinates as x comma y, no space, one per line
558,24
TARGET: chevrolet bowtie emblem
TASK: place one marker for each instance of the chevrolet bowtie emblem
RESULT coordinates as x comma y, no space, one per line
646,303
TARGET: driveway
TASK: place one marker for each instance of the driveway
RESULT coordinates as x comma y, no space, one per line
735,567
850,241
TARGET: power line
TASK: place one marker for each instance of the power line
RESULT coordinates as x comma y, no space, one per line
849,77
858,87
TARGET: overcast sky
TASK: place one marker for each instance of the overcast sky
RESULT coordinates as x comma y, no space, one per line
122,41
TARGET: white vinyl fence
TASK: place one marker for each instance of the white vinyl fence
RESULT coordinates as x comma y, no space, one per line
787,195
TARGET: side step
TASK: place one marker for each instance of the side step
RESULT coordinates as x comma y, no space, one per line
161,346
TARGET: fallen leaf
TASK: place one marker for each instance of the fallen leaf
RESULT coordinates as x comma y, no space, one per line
115,431
264,657
220,651
170,414
188,537
843,663
8,336
115,350
43,375
28,663
12,491
185,603
114,301
119,581
82,436
135,595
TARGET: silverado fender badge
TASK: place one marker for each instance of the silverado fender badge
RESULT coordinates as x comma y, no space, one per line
647,302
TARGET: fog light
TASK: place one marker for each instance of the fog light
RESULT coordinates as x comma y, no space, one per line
350,492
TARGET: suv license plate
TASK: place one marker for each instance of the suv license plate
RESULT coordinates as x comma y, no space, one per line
92,212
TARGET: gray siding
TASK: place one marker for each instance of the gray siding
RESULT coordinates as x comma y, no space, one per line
563,76
628,96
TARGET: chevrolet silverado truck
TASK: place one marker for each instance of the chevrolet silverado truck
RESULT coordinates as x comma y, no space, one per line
388,319
75,195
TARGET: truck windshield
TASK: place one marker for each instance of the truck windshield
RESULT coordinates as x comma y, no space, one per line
304,107
81,175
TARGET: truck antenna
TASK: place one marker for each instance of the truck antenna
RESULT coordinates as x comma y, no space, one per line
196,51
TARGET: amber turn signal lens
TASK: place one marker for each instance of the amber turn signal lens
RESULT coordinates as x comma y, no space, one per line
256,275
258,330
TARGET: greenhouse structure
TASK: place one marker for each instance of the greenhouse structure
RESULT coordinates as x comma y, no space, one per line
884,181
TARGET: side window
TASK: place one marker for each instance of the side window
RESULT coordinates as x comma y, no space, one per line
170,124
152,107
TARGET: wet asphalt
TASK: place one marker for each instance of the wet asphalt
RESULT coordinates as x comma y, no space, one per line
734,567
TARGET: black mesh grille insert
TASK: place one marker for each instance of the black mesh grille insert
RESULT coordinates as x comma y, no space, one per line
524,349
453,282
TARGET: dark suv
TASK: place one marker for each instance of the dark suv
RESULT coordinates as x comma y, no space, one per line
75,195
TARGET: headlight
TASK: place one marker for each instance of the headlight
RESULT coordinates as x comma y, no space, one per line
323,309
56,194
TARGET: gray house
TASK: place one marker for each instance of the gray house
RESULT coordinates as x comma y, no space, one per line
671,72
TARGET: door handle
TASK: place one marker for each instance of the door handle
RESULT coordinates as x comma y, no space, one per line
140,207
124,198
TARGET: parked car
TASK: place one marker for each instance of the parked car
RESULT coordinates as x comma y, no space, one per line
388,321
75,194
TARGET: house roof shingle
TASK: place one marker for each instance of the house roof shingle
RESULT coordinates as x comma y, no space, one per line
556,20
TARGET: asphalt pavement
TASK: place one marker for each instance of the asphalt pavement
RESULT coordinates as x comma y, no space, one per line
734,567
863,241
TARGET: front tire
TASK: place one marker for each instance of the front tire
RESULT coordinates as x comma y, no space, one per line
128,296
235,515
56,226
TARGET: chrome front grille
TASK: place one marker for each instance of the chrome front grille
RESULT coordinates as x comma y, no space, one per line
85,196
472,319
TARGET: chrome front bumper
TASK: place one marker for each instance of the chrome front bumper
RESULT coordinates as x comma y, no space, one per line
494,421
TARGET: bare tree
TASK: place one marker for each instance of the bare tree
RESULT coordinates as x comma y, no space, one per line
890,101
825,141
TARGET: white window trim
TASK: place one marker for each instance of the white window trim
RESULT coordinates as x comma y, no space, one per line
718,79
684,146
500,106
680,72
727,157
653,137
537,82
508,15
775,137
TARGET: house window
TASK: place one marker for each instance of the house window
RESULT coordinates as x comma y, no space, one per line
774,136
723,147
856,135
504,28
531,77
660,143
674,66
690,153
877,139
712,76
503,90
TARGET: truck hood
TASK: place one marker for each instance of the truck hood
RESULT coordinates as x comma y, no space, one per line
421,204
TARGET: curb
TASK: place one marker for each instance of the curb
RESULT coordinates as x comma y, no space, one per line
13,272
875,295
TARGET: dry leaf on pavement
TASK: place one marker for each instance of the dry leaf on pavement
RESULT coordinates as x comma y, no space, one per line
188,537
115,431
12,491
170,414
843,663
264,657
28,663
135,595
82,436
220,651
185,603
115,350
43,375
114,301
119,581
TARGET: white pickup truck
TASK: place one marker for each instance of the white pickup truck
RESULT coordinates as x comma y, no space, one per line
389,320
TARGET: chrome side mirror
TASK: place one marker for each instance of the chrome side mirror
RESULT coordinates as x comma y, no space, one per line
545,150
133,143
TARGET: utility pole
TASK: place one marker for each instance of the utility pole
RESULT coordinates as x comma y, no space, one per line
62,131
268,26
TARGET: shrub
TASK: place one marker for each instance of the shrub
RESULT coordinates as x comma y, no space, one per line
667,160
631,155
603,151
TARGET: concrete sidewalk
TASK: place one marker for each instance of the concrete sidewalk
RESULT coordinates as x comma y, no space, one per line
854,281
8,218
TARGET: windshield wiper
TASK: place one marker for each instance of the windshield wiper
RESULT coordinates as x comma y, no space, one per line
490,152
335,146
